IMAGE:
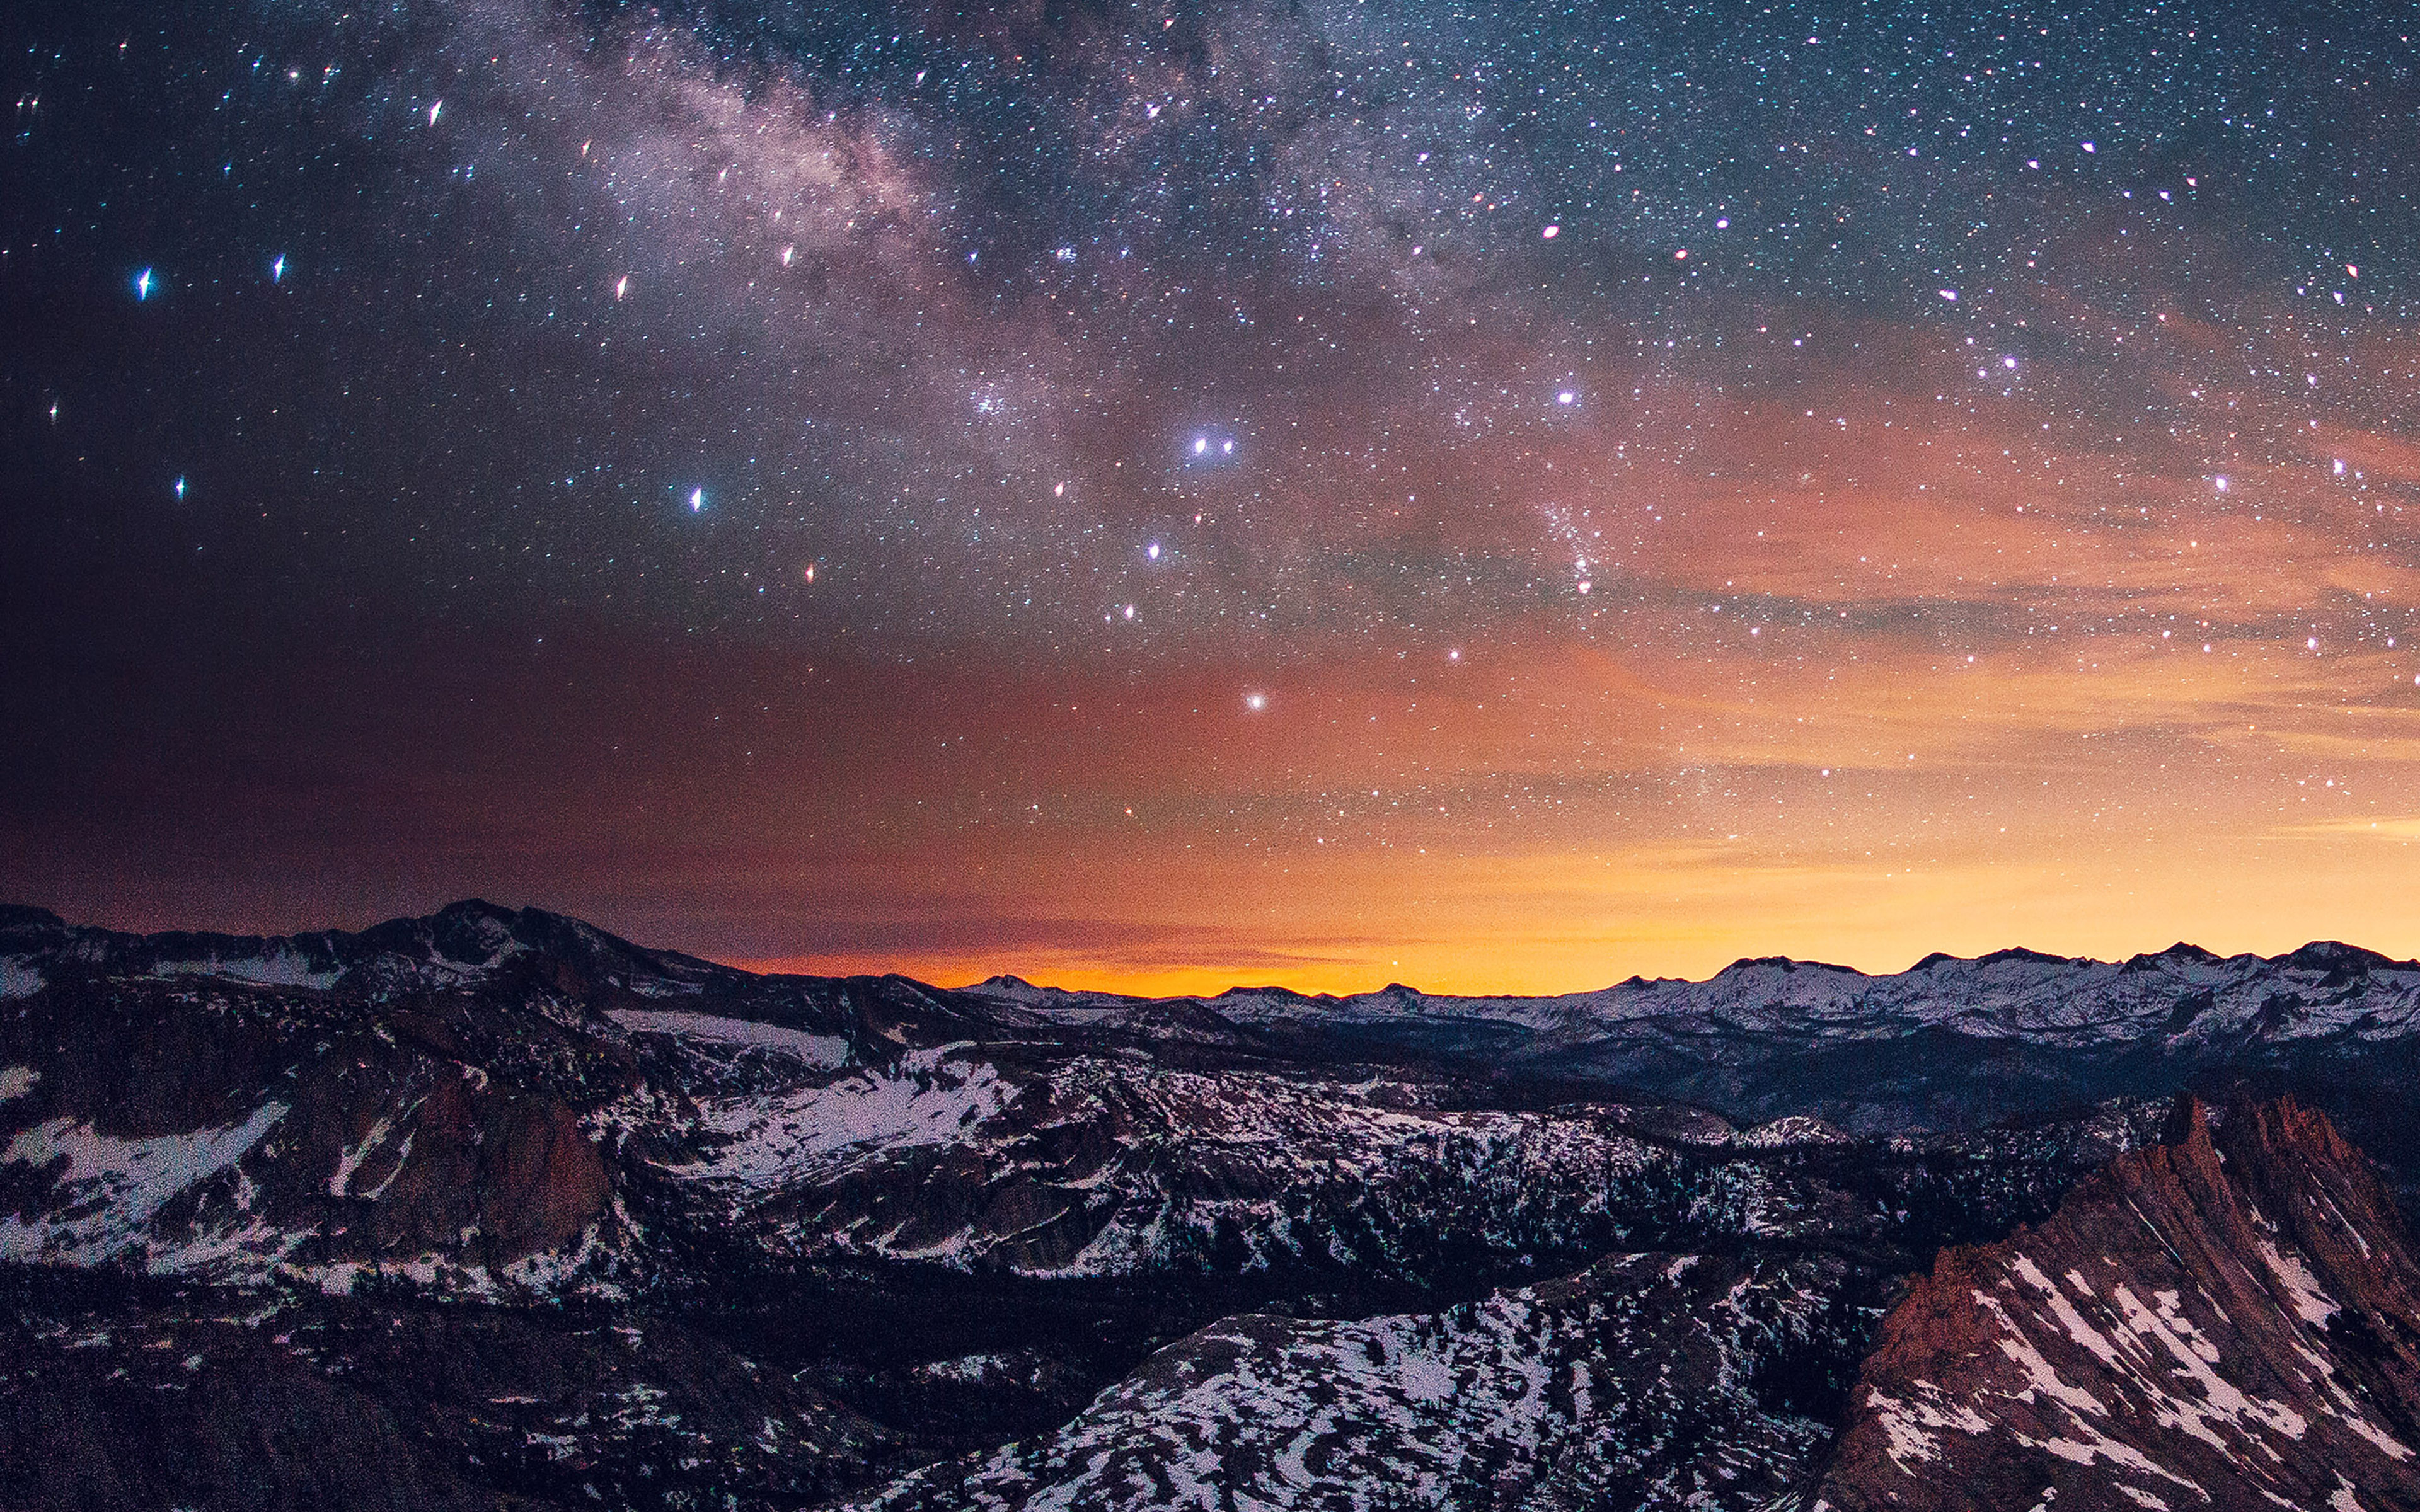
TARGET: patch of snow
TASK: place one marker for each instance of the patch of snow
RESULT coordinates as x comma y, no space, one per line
112,1188
825,1052
276,968
1909,1425
350,1161
967,1369
928,1097
1794,1129
554,1273
2311,1304
16,1081
19,978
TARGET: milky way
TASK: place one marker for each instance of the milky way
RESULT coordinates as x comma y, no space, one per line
1501,496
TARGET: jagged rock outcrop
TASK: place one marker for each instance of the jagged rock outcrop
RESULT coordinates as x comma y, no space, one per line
2228,1319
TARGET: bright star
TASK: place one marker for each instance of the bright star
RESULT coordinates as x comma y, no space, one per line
1152,551
277,269
433,109
1256,701
1201,444
1567,396
143,286
696,499
181,486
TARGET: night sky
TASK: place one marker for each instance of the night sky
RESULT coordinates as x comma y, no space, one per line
1490,496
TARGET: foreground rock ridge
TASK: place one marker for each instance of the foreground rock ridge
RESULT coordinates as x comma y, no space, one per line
493,1208
2228,1321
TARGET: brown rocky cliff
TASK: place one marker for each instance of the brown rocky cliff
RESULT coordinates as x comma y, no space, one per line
2223,1320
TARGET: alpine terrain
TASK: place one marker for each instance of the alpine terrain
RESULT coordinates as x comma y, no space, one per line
492,1208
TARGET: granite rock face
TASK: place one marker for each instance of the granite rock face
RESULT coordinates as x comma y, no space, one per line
2228,1319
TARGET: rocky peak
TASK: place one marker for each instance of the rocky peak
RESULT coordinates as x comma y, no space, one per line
2229,1319
467,944
25,919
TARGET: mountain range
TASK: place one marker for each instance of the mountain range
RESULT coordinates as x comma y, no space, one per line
493,1208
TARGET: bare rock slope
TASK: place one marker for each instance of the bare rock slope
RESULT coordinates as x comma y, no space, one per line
2227,1319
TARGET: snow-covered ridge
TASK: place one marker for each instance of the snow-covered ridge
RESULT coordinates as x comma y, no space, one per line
2182,992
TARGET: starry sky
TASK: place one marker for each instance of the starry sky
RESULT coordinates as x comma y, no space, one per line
1157,495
